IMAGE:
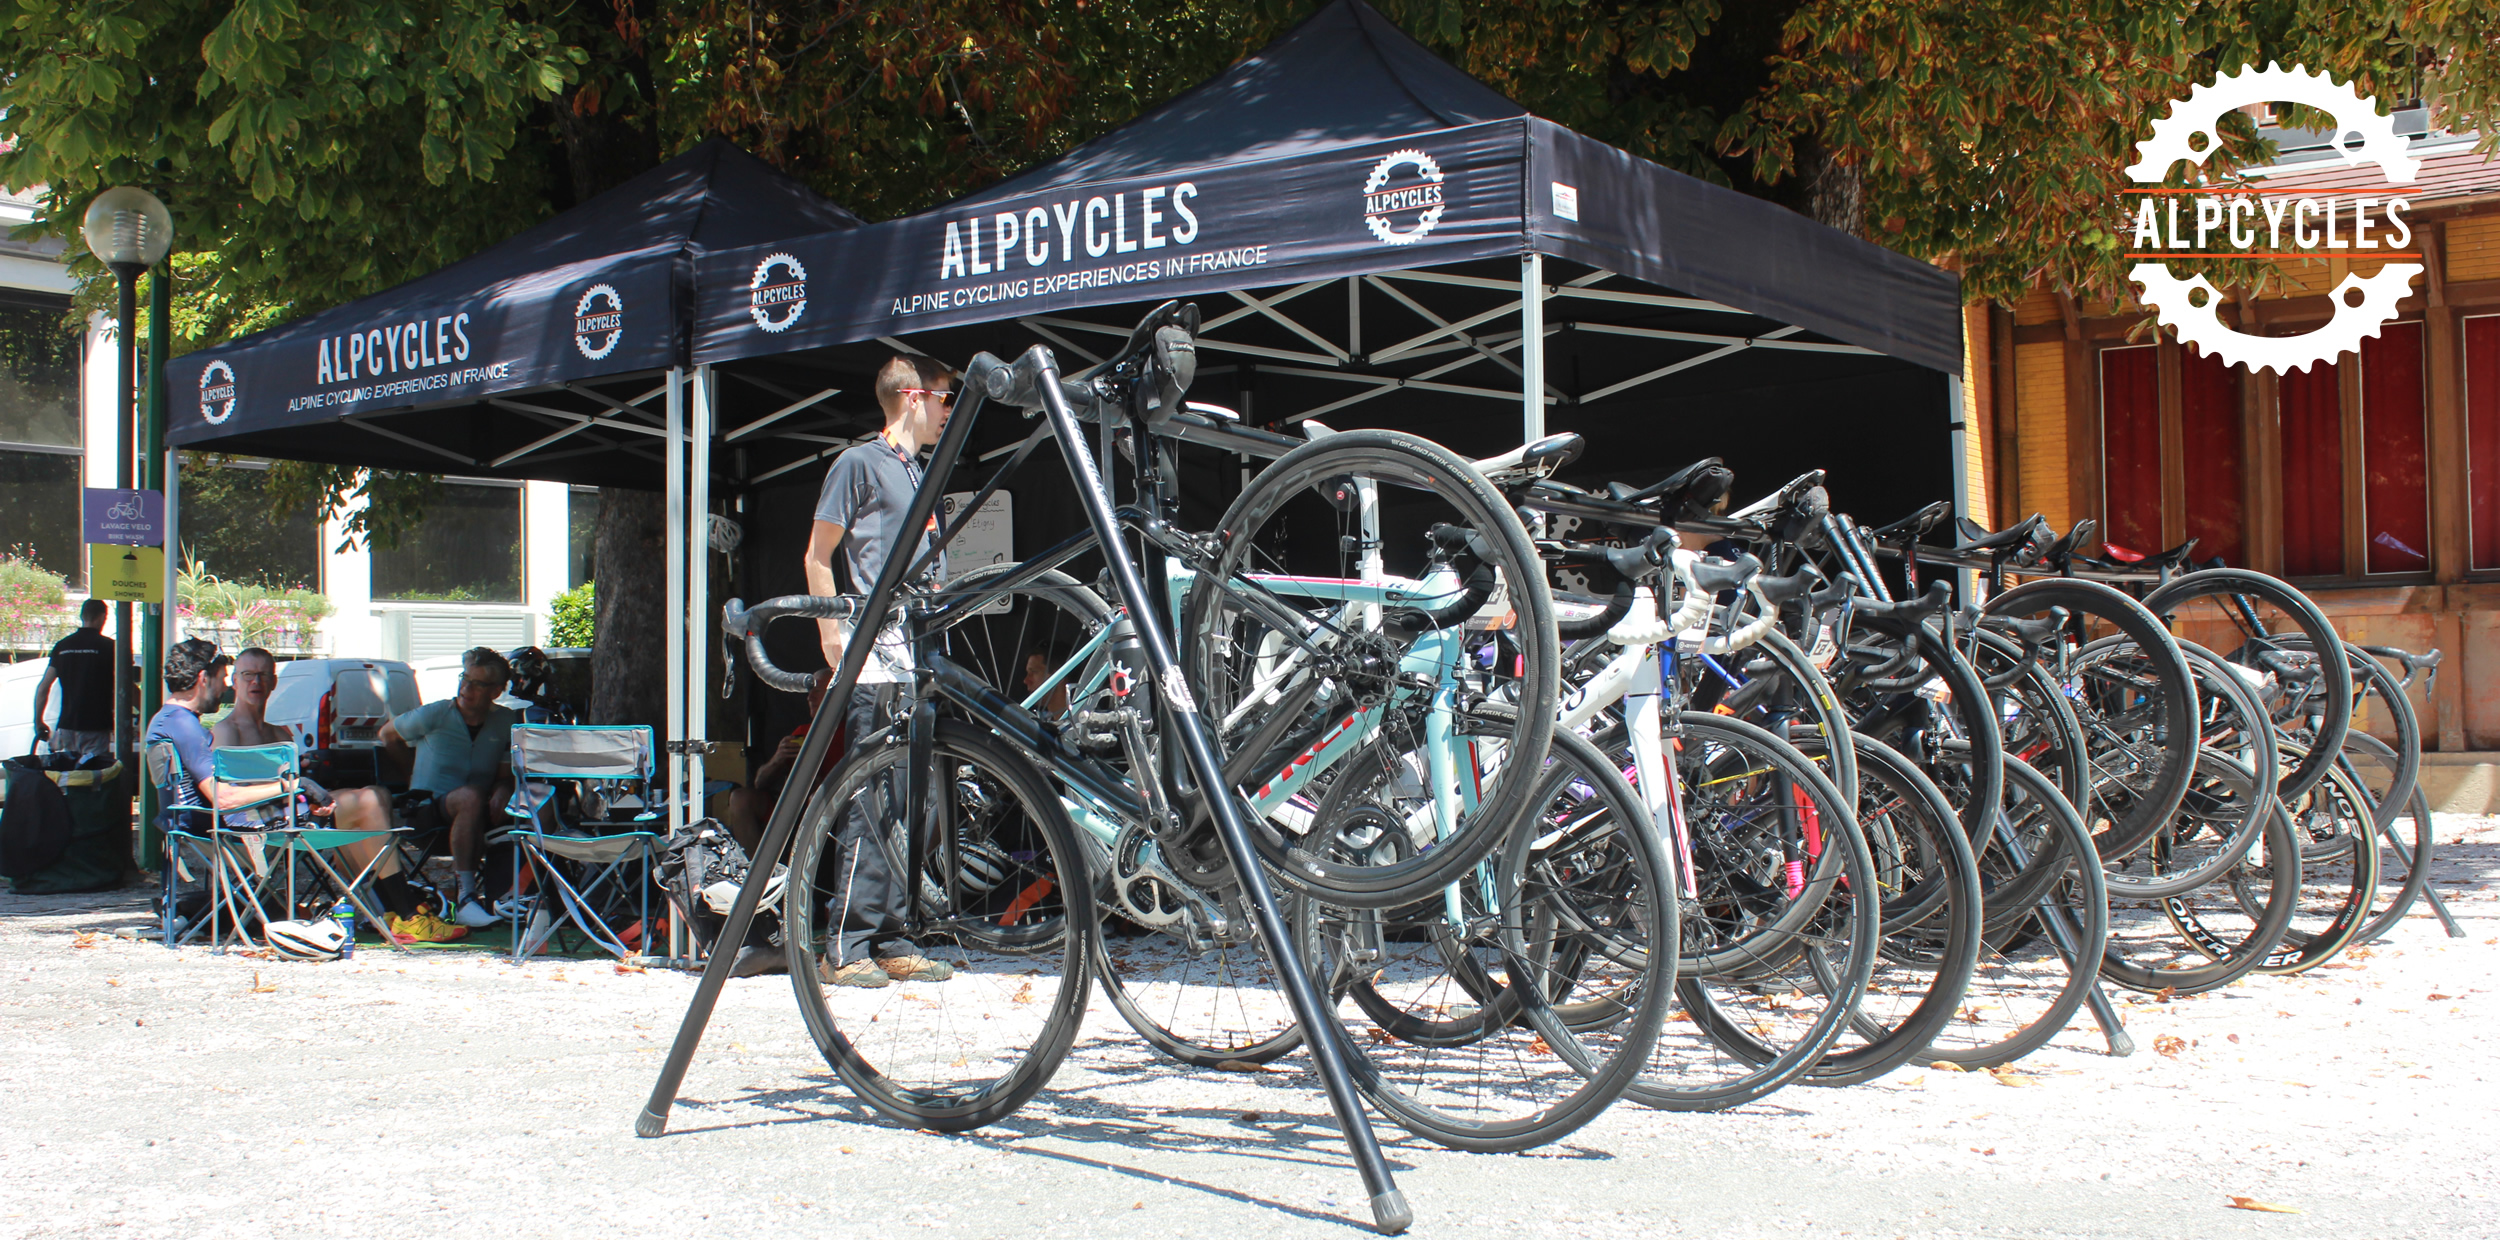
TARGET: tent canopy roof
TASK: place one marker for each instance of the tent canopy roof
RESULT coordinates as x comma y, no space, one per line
586,304
1341,77
1344,148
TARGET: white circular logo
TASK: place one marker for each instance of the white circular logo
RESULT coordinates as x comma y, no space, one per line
1401,209
2176,301
777,295
598,321
217,391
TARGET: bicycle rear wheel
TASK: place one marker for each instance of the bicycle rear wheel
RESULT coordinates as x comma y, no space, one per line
2311,692
1017,933
1308,617
1511,1008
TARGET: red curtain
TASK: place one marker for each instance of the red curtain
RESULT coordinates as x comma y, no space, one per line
2482,437
2395,451
2313,472
2131,449
2209,399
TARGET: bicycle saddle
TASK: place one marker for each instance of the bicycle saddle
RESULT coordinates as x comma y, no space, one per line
1915,525
1696,489
2170,560
2063,550
1972,536
1534,460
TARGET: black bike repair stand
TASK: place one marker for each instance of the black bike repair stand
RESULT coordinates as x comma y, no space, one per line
1390,1213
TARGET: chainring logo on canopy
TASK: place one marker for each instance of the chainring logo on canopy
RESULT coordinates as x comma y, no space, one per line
777,295
1402,200
2258,222
217,392
598,321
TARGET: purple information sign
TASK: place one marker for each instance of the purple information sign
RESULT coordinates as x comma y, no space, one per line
126,518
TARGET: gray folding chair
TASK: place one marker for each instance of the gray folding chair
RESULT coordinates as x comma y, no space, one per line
582,819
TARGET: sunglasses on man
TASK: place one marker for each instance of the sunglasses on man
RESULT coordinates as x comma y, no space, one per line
942,397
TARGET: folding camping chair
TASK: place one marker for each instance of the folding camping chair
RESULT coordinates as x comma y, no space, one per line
190,841
290,835
581,810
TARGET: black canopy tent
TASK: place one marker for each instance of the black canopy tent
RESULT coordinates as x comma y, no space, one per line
1361,222
556,355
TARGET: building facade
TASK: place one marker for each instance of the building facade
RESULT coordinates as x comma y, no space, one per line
2372,482
483,569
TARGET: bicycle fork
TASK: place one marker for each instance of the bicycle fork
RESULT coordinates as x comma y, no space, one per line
1390,1213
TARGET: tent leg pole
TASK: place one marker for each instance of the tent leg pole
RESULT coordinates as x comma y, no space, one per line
1532,347
675,604
1958,425
698,579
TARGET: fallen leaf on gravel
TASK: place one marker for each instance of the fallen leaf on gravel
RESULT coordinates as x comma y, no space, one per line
1538,1046
2169,1045
2012,1078
1381,1035
2234,1037
1240,1065
2267,1207
2166,994
1251,1117
1942,1066
2435,997
86,938
1139,1206
846,1149
631,968
261,988
1976,1150
1914,1082
115,981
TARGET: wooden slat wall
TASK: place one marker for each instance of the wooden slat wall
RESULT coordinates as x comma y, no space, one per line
2040,408
2473,247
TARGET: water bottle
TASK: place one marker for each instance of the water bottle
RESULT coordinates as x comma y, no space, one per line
345,915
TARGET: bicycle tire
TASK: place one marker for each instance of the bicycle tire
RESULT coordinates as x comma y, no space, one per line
885,1047
1580,918
1738,1037
1229,639
2338,835
2334,700
2036,983
2224,797
2140,946
1931,907
2167,713
2414,858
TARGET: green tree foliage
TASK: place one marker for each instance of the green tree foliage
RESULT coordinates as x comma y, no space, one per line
572,617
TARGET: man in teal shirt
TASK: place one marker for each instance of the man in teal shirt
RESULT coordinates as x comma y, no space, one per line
460,751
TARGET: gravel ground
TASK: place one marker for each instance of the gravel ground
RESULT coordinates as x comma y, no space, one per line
192,1094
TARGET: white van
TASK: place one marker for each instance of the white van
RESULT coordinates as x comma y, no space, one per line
341,703
17,705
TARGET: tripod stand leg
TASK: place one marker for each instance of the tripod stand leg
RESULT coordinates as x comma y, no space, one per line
1390,1213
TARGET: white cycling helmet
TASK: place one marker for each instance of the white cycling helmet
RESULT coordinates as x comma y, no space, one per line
307,940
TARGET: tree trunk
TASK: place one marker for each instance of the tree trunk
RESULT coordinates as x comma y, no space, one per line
1839,194
628,668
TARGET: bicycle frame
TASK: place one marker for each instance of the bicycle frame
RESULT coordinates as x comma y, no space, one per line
1136,589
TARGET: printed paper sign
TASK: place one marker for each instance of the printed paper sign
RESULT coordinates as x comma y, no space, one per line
126,574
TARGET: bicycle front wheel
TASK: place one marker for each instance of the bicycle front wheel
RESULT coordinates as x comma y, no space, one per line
1013,927
1375,579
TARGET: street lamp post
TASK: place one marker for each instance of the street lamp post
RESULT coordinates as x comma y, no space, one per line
129,231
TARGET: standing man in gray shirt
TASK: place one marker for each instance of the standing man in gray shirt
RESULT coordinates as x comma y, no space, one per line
860,513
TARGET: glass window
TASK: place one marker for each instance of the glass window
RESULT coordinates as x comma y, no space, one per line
2482,437
2395,450
2209,423
39,511
467,550
38,374
227,529
581,523
2131,449
2313,472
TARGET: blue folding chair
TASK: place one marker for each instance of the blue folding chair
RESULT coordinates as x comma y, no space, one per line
582,818
284,829
187,844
